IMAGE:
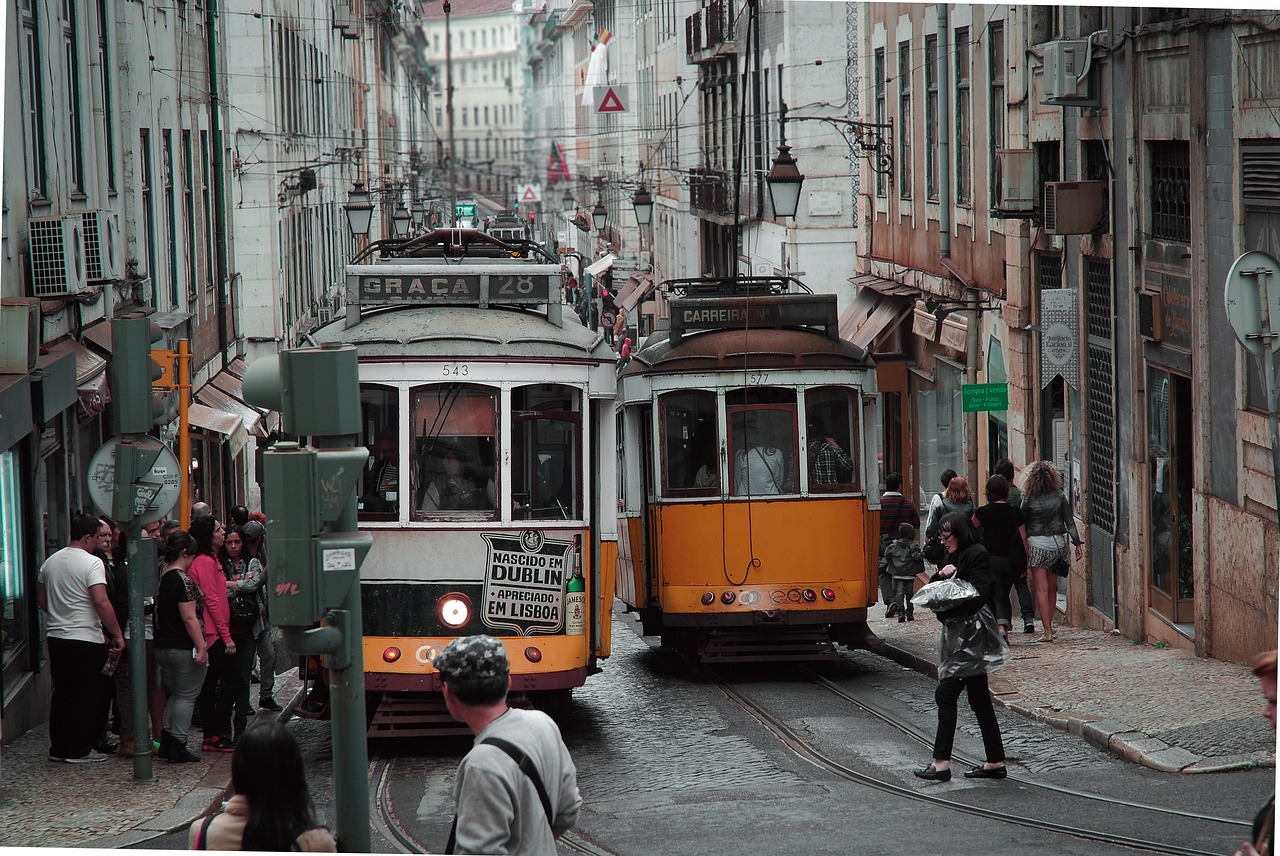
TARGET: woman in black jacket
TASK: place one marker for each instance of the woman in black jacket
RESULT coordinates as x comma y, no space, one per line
966,560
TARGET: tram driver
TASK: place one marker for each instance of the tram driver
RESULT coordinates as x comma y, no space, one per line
452,484
382,478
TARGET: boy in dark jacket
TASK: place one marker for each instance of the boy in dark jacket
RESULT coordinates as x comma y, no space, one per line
902,560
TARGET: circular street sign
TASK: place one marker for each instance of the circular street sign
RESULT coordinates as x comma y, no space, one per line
165,471
607,318
1244,303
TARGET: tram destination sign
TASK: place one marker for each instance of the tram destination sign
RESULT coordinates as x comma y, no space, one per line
766,311
370,285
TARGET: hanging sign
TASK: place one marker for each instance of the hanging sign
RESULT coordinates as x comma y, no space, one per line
1059,337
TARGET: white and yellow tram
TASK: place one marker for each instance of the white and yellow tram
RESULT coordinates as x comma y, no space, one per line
487,408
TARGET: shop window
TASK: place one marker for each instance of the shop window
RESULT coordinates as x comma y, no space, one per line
453,437
690,444
546,452
939,428
13,618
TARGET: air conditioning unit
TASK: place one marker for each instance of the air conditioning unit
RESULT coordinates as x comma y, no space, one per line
19,334
102,250
1016,180
57,255
1066,73
1074,207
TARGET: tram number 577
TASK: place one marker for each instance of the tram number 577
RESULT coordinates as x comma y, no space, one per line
757,378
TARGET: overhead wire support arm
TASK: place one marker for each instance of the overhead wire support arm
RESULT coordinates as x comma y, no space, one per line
873,140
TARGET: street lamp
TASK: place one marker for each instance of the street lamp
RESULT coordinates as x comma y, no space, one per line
400,221
784,180
359,210
567,203
419,212
643,203
599,215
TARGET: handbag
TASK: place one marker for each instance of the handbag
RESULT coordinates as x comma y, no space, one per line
934,552
243,607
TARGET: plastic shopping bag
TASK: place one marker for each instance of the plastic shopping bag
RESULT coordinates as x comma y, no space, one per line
945,594
971,646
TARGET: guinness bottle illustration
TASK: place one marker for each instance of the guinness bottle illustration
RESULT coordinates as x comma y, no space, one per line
575,598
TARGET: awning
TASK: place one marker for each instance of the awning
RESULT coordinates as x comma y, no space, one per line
91,377
601,265
636,290
952,332
219,422
211,395
878,307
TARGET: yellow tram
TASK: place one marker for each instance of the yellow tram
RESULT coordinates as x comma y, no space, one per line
487,408
748,522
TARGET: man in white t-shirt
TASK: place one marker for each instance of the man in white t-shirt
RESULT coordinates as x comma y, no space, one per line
72,591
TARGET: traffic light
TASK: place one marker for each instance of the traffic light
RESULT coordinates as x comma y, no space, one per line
133,373
515,206
533,217
316,391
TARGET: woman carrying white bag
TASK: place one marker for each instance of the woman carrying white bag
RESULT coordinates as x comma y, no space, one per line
971,647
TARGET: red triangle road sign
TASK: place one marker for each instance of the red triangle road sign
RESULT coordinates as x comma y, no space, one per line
611,103
529,195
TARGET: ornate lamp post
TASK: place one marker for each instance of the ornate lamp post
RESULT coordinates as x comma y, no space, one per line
643,204
400,221
599,215
359,210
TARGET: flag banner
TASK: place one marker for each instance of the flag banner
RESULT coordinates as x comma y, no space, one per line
557,167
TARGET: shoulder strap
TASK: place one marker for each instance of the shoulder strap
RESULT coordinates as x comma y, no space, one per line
201,839
526,766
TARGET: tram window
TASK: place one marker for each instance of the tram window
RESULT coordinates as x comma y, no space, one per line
454,441
831,413
690,444
762,440
546,444
380,433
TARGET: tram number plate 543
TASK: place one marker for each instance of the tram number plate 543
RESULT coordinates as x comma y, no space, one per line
455,370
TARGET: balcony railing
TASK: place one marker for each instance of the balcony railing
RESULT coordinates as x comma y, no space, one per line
709,29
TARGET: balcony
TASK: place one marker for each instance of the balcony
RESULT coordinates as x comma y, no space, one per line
711,196
708,33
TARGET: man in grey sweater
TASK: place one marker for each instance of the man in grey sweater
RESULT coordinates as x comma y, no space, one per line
502,806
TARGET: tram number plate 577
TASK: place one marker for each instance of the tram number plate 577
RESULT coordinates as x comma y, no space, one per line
455,370
757,378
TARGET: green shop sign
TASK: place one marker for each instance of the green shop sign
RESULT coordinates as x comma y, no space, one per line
984,396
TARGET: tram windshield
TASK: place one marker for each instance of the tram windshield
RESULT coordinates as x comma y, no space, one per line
762,441
380,433
546,474
691,444
453,444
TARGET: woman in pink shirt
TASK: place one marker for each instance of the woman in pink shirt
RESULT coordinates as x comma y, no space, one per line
215,701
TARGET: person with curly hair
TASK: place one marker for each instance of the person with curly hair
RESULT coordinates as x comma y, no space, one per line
1049,521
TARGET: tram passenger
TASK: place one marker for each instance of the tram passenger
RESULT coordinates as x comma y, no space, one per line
517,789
382,480
966,560
763,468
451,487
828,463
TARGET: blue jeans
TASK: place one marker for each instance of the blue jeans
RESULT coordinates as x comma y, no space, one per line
183,677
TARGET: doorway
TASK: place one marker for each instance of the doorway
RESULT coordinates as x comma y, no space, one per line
1169,452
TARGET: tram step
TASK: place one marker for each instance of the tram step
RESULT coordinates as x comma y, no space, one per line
413,715
765,645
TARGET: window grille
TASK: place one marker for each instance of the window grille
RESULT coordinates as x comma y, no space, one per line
1098,296
1171,190
1049,271
1100,394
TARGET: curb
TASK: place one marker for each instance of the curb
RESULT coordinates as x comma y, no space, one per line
1120,740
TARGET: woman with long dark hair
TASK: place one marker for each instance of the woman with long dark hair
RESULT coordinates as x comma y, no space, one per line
179,643
1049,522
244,582
966,560
1005,537
215,703
271,809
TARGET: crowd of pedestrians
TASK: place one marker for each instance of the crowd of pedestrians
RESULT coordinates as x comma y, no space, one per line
204,625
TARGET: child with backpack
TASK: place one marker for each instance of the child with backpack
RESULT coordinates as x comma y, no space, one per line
902,560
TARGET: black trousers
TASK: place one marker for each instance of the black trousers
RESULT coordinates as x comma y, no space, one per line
221,686
946,695
78,707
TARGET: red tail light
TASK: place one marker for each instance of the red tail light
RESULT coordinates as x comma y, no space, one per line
808,595
728,597
391,655
828,594
532,654
708,598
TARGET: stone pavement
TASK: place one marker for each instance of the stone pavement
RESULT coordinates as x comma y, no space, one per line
1164,708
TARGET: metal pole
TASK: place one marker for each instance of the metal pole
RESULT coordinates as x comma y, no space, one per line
448,100
142,570
1267,334
183,388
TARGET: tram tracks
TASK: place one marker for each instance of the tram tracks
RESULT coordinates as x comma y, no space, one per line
808,751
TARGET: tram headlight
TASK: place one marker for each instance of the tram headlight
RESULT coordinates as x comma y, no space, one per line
391,654
454,610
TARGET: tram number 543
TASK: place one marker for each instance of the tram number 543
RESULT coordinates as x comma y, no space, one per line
455,370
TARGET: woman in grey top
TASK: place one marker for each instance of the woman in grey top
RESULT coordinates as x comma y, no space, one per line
1049,520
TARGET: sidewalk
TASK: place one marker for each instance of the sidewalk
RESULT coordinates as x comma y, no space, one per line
1163,708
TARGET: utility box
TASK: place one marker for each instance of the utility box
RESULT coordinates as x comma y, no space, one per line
1016,181
19,334
1074,207
1067,65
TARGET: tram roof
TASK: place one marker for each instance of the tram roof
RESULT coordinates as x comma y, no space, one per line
736,349
408,331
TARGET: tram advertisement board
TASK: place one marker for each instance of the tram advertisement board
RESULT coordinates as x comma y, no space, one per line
524,582
446,287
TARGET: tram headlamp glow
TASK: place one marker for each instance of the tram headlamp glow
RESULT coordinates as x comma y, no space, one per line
828,594
454,610
708,598
391,655
809,595
728,598
533,655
